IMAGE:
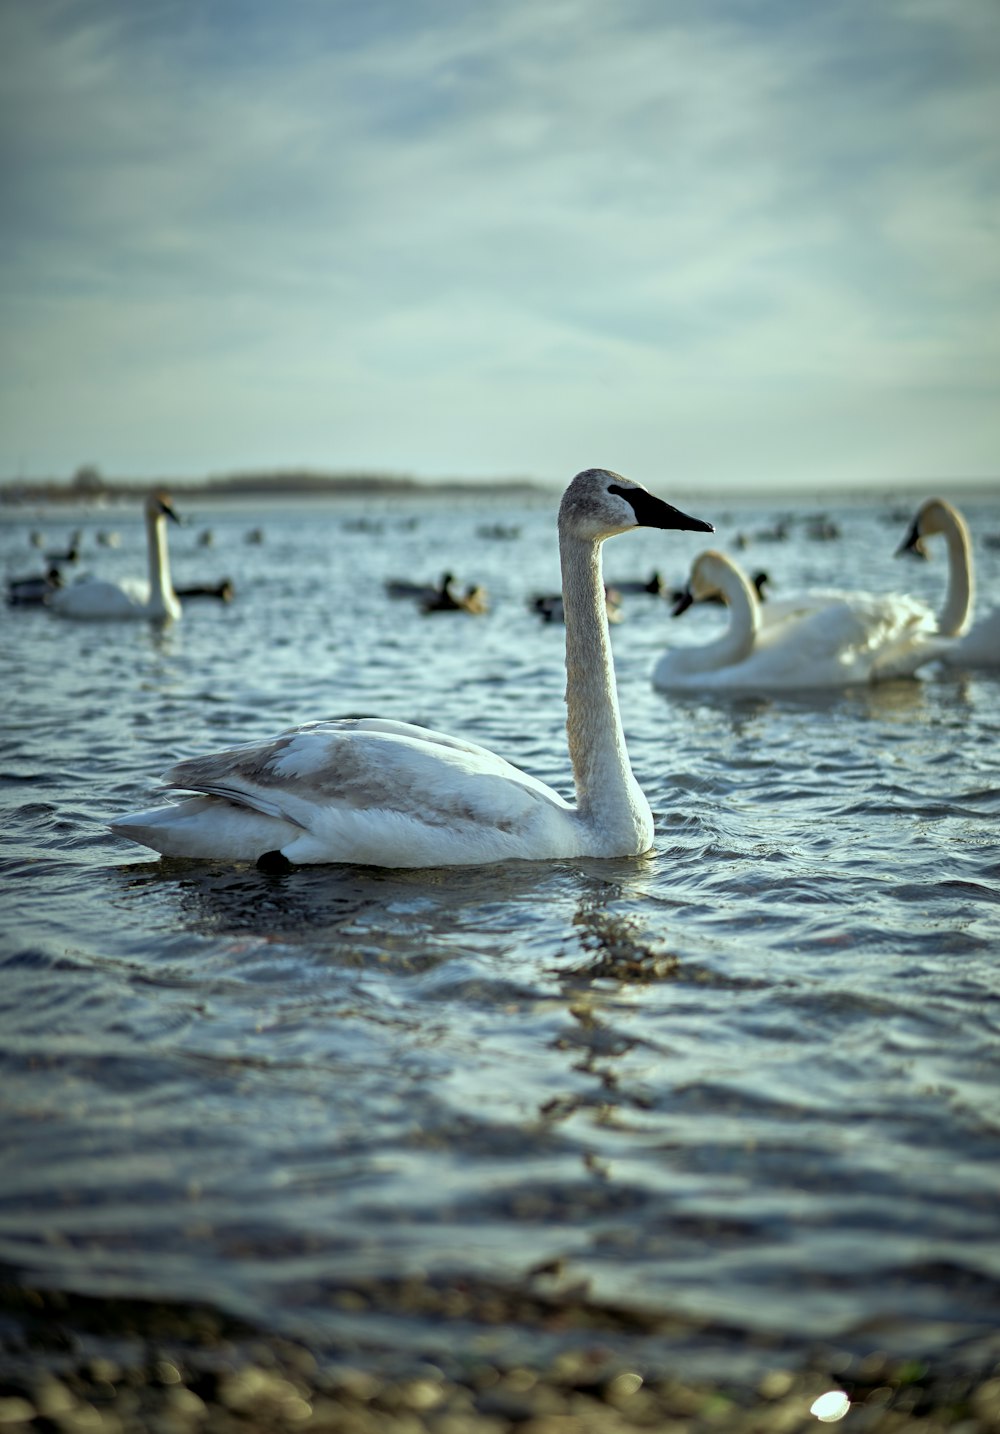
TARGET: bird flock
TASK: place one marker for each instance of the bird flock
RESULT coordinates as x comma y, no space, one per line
382,792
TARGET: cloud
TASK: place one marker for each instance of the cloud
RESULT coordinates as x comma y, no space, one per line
396,235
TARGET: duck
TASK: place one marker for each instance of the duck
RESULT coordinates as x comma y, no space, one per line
549,606
33,591
822,529
69,554
420,592
474,600
969,644
499,532
154,597
653,585
379,792
224,590
850,639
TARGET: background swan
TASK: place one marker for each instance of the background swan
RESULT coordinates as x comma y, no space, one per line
979,647
388,793
852,639
130,597
971,646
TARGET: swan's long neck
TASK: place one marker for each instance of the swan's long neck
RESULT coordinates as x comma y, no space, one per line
960,595
737,642
161,591
608,796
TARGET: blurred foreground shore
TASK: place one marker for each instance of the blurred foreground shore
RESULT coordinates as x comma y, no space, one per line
82,1365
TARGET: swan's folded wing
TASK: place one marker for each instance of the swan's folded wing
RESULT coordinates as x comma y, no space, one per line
854,625
367,765
97,597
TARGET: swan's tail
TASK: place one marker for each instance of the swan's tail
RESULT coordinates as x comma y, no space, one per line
205,828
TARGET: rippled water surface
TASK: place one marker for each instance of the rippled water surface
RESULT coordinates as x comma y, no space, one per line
749,1081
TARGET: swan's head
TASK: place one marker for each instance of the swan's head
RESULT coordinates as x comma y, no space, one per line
158,505
711,576
933,516
599,503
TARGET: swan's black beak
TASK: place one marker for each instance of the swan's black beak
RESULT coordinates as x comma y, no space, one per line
168,512
676,519
651,512
682,603
654,513
912,544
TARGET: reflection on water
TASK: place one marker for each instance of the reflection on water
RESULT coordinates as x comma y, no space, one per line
738,1094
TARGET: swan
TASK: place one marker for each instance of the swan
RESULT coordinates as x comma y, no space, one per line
760,580
971,645
854,638
130,597
378,792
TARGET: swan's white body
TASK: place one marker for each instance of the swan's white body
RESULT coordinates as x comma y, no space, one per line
130,597
848,639
979,647
969,645
387,793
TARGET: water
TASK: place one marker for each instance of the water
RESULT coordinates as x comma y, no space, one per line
743,1090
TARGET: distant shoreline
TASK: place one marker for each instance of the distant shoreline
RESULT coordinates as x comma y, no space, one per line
90,488
293,484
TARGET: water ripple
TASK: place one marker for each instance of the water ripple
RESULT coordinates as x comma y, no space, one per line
749,1079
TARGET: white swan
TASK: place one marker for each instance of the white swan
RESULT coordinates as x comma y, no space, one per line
130,597
971,645
386,793
854,638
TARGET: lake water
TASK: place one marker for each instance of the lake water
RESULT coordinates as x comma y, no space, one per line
746,1086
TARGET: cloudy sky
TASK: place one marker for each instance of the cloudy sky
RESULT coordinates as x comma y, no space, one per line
737,243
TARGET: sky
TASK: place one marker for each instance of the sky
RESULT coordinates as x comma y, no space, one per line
730,244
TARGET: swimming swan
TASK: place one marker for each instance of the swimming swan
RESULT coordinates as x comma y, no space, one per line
130,597
971,646
385,793
855,638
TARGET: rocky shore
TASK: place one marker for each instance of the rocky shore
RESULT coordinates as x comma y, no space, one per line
72,1364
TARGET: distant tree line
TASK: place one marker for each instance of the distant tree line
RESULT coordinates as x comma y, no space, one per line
89,484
